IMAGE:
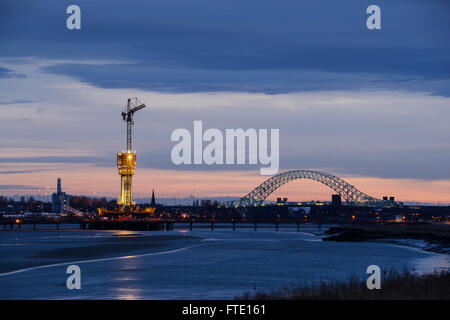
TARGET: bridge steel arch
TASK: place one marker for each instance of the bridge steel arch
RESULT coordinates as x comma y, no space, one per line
348,192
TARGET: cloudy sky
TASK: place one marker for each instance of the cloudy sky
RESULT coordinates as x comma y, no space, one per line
371,106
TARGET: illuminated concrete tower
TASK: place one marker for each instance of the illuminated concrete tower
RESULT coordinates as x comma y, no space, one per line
126,161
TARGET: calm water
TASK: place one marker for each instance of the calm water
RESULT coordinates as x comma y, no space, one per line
201,264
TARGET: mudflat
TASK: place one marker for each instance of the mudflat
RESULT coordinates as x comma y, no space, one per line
21,250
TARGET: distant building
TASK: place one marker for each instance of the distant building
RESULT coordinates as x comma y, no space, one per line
153,203
60,200
282,200
336,200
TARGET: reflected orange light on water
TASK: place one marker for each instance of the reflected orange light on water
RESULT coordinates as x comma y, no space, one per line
128,294
128,257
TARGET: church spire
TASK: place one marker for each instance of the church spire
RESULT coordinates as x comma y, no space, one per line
153,203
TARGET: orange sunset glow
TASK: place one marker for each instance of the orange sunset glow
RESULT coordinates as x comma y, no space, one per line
103,181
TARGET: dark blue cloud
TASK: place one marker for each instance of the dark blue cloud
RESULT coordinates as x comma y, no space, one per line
19,186
55,159
265,46
22,171
427,164
147,77
19,101
7,73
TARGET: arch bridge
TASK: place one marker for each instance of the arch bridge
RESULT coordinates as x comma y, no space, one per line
349,193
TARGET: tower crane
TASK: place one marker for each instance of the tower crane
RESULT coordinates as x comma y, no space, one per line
126,161
133,105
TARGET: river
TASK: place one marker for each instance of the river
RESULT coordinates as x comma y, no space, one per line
183,264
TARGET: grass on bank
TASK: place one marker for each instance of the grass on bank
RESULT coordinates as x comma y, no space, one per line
394,286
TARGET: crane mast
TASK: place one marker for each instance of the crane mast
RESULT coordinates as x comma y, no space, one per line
129,134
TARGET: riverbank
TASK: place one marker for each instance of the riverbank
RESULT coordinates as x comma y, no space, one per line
394,286
436,237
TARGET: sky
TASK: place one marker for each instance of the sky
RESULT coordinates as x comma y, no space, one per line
370,106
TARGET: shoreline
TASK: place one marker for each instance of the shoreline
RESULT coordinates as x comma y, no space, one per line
436,238
395,286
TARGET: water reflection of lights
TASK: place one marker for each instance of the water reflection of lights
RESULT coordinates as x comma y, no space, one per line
125,233
128,294
127,257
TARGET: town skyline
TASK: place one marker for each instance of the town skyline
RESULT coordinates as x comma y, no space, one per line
370,106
